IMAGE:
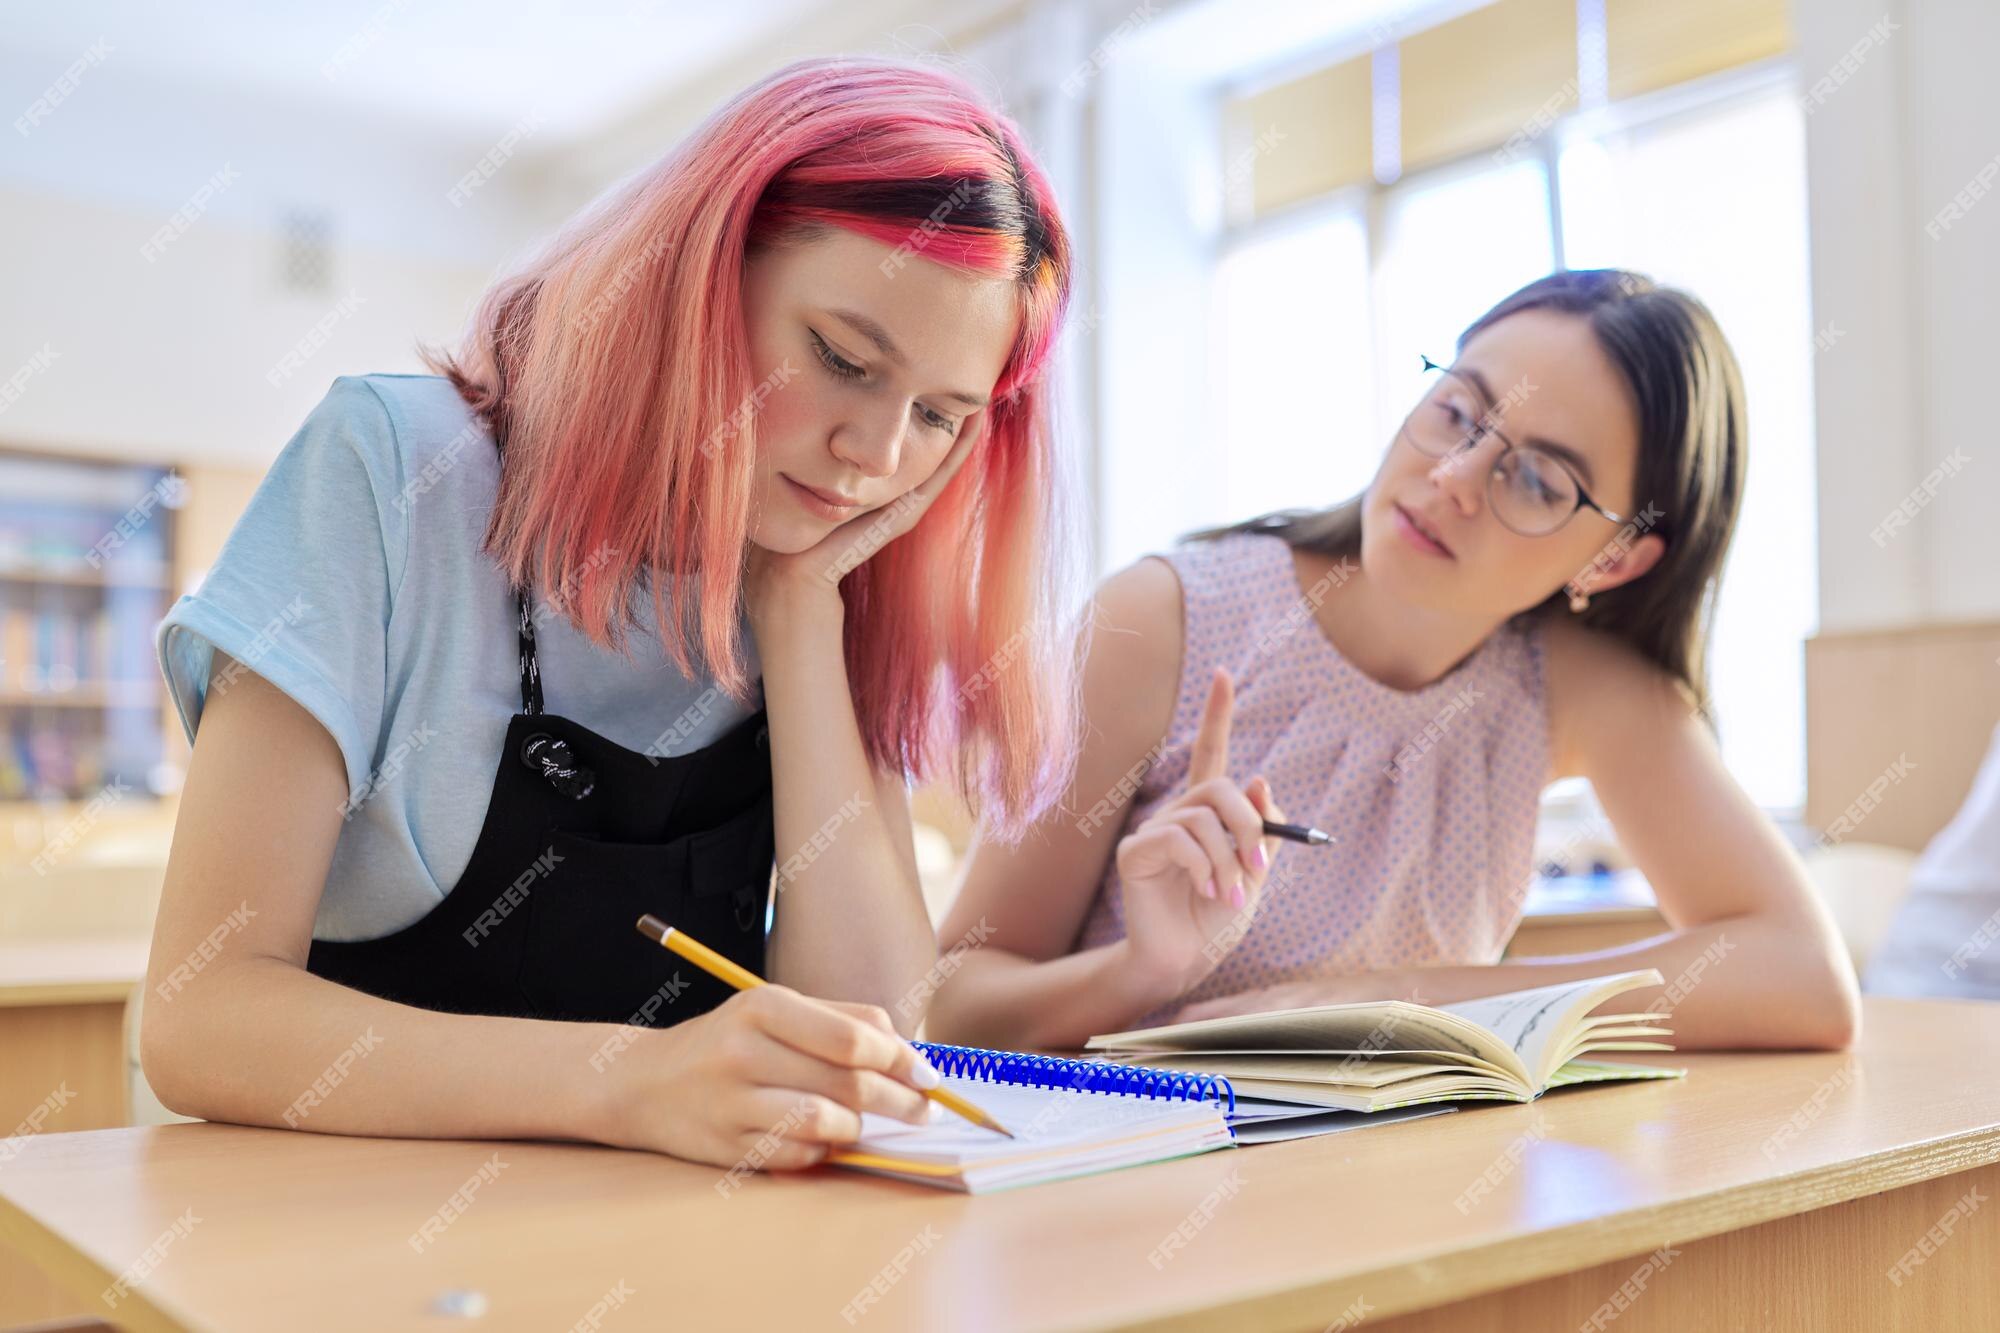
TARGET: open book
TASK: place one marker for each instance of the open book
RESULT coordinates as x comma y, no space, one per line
1376,1055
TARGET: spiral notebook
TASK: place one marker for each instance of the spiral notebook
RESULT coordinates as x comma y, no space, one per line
1068,1117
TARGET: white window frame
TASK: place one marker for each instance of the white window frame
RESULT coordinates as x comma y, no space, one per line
1567,806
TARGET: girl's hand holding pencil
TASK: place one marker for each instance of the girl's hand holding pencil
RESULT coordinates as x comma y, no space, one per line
770,1077
728,970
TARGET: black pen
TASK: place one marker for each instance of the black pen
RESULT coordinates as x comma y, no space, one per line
1297,833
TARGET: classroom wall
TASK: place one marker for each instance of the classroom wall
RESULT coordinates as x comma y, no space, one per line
1904,305
166,357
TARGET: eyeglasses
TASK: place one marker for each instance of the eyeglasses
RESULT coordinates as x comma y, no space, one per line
1530,490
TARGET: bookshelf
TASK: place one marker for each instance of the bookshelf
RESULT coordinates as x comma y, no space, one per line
86,562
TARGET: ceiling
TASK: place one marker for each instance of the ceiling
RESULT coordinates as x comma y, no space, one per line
458,67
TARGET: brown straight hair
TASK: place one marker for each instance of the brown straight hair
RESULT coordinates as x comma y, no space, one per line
1693,456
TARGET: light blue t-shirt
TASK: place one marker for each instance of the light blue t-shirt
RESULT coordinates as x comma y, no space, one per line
355,583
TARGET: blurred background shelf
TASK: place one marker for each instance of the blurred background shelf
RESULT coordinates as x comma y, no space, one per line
86,556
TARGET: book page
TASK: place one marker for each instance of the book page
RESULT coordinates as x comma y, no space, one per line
1537,1024
1606,1071
1373,1026
1524,1034
1349,1061
1333,1071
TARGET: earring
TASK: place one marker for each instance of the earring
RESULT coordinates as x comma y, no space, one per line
1578,601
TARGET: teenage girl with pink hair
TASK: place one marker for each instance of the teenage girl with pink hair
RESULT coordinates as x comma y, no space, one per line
680,568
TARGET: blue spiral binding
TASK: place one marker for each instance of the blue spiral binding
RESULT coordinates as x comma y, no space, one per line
1052,1071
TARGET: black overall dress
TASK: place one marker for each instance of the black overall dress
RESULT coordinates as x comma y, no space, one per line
582,837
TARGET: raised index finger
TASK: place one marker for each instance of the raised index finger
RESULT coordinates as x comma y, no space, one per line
1211,735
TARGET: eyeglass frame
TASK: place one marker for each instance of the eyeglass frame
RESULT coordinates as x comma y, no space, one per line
1482,428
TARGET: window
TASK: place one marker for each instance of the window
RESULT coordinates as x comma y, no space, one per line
1453,241
1714,199
1294,362
1706,191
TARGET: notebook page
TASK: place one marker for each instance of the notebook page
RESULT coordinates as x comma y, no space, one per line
1039,1118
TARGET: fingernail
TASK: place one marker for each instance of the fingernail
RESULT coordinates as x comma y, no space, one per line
1208,889
1236,894
932,1113
1263,858
924,1076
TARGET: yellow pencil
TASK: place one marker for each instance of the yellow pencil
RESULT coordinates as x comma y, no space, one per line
742,978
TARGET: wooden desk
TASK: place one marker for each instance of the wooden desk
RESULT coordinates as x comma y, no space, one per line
62,1014
1549,934
62,1061
1396,1223
1582,914
71,971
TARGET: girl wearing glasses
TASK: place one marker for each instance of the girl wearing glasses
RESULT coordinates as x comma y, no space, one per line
1521,595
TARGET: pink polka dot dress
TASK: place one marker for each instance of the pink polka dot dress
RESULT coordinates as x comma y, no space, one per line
1432,793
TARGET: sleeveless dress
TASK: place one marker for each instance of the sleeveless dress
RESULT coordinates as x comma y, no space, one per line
1433,793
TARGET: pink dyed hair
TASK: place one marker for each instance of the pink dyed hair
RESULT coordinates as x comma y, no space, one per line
617,361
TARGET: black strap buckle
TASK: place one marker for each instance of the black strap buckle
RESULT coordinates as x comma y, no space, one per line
556,761
747,908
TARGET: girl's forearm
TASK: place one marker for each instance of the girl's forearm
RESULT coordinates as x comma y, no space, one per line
1002,999
1742,982
851,922
261,1041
